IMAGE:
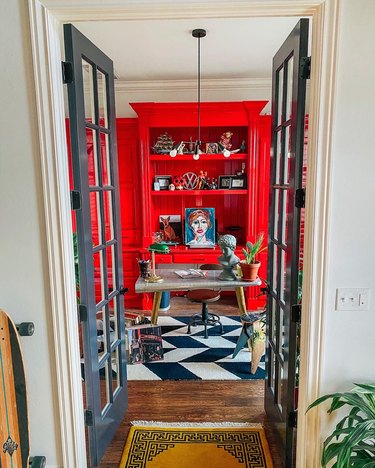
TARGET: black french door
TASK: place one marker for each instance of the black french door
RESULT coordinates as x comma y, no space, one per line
288,117
95,175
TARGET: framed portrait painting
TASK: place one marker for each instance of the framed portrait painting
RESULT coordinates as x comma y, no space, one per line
200,227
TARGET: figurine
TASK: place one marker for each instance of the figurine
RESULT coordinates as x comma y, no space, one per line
225,140
179,182
213,185
243,146
171,187
228,260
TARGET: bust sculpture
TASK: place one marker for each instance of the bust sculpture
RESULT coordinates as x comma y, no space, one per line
228,260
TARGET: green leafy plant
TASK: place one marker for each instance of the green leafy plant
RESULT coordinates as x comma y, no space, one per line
252,250
352,443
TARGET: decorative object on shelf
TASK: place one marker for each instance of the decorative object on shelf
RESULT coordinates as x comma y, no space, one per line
243,147
212,148
238,182
250,266
160,248
172,187
225,140
233,182
242,171
224,182
213,185
156,186
171,227
179,182
157,237
203,181
164,144
228,260
191,180
200,227
197,33
164,181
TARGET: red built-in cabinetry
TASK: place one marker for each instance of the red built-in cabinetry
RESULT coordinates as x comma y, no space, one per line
141,206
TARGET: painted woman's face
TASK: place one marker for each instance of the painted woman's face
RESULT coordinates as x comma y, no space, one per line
199,226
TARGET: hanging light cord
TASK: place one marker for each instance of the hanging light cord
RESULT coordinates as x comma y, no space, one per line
199,91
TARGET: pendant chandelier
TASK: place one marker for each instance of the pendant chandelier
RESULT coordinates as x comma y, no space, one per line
197,33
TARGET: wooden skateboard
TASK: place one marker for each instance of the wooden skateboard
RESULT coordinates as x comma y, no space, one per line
14,423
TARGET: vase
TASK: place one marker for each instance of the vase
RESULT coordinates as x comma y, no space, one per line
249,270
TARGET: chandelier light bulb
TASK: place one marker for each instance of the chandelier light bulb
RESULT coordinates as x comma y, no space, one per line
226,153
173,153
196,156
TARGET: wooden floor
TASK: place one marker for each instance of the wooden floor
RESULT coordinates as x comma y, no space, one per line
192,401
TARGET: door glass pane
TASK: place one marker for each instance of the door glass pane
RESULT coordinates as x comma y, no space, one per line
101,332
280,387
92,158
289,89
115,359
288,155
278,155
88,91
108,218
111,270
273,319
280,86
276,216
106,167
113,320
281,340
102,99
275,265
105,385
284,226
283,275
272,374
99,276
95,218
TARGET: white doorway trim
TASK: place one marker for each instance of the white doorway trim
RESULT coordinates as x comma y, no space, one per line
46,17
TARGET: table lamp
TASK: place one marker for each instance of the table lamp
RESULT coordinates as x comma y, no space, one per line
160,248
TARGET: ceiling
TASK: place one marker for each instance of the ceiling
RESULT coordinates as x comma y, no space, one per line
149,50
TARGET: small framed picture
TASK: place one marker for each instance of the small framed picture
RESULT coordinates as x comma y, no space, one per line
164,181
225,182
238,182
212,148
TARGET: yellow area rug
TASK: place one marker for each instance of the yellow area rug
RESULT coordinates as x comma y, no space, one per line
196,447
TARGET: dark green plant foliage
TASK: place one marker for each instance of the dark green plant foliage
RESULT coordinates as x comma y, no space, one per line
352,443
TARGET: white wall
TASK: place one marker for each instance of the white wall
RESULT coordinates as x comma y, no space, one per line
349,336
24,287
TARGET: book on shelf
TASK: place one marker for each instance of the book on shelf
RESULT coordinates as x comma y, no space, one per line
191,273
143,344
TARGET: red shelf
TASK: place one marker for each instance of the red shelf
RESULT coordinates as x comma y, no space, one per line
175,193
202,157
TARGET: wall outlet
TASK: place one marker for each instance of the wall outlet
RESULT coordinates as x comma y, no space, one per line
352,299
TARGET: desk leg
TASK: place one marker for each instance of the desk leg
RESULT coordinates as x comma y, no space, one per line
155,307
257,345
241,300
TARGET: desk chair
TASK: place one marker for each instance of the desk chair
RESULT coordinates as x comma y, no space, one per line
204,297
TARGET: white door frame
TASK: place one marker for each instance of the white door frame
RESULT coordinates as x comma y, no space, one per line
45,21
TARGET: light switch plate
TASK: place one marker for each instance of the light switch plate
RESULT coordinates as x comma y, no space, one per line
352,299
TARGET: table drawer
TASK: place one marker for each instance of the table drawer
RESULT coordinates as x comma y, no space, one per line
195,258
163,259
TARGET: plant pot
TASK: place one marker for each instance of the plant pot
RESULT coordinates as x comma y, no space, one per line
249,271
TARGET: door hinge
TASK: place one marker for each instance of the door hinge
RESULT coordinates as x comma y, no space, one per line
305,68
67,72
75,200
299,199
89,418
82,313
123,290
292,418
296,313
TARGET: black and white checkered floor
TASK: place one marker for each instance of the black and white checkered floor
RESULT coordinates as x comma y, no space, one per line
192,357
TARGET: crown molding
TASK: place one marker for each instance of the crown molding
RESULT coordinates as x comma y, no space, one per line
128,10
188,85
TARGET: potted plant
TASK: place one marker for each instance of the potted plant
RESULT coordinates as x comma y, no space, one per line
351,444
250,266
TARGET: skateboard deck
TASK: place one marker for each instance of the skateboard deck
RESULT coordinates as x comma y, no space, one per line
14,424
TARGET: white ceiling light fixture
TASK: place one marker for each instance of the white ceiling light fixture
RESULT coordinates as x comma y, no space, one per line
178,149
